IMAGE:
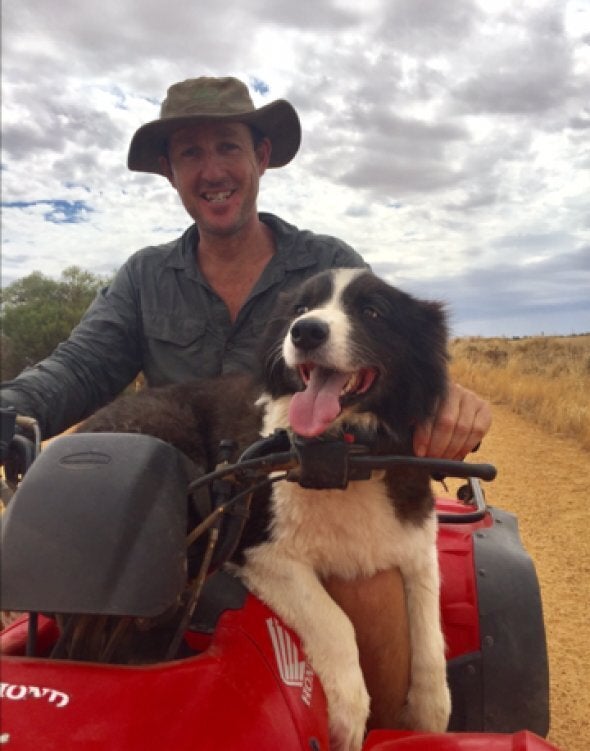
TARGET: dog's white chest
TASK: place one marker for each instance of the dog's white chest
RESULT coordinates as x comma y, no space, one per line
347,533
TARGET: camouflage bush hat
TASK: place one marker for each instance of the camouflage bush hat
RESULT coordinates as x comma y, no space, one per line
200,99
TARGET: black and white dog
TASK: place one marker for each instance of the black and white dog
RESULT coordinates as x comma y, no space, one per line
345,353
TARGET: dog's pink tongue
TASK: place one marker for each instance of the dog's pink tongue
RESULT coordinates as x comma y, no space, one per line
311,411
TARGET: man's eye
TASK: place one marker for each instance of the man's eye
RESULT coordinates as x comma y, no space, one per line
189,153
228,147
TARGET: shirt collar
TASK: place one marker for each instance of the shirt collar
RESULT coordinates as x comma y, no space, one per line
291,253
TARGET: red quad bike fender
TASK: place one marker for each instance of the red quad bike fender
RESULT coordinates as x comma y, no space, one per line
248,685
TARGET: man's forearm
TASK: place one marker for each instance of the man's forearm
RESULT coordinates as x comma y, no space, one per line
62,390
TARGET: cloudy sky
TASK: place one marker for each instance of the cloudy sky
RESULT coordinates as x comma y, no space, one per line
447,140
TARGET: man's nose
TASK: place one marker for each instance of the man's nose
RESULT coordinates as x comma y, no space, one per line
212,166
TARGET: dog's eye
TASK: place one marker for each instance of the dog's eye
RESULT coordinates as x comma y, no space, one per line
299,310
370,312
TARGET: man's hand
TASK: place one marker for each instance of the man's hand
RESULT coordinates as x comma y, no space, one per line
460,423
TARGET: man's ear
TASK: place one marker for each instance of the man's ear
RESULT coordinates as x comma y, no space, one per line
263,151
167,170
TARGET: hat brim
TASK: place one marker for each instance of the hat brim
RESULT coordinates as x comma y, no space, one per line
278,121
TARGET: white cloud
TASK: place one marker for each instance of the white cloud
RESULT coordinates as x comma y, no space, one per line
447,142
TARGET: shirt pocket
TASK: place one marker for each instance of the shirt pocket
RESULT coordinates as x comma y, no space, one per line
173,329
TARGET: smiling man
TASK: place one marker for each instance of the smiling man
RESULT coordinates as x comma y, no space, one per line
196,306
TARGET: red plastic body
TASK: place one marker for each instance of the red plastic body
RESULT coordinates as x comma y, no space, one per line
249,688
216,700
459,587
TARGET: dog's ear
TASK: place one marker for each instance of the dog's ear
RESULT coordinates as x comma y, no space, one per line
433,322
426,381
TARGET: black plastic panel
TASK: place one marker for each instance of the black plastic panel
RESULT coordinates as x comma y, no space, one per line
465,679
98,525
513,645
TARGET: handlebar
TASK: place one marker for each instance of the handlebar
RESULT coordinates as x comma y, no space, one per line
330,463
317,463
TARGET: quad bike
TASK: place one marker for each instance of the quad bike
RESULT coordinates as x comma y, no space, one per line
127,641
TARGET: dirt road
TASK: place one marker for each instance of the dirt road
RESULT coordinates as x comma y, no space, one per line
545,481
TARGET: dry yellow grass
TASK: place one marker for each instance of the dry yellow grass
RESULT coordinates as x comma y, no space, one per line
545,379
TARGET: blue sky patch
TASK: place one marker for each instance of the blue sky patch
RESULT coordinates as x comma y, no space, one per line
259,86
59,211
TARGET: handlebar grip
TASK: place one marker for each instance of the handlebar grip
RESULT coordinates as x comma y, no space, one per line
444,467
486,472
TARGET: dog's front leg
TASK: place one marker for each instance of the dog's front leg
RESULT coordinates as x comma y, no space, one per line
428,706
292,589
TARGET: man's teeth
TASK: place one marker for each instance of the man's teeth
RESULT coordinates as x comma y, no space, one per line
217,197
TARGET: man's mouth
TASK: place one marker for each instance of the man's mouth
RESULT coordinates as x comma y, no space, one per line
217,196
326,392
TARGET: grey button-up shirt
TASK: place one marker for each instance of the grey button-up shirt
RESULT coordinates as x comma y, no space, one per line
160,316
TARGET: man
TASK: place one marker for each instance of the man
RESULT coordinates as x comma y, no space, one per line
195,307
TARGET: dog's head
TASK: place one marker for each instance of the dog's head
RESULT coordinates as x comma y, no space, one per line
349,347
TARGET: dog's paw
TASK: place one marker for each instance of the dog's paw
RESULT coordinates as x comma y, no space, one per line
427,708
348,709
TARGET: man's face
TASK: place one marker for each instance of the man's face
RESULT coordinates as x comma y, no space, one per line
216,172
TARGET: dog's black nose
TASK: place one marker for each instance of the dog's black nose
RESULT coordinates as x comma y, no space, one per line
309,333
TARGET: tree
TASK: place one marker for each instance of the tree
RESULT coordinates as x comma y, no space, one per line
39,312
